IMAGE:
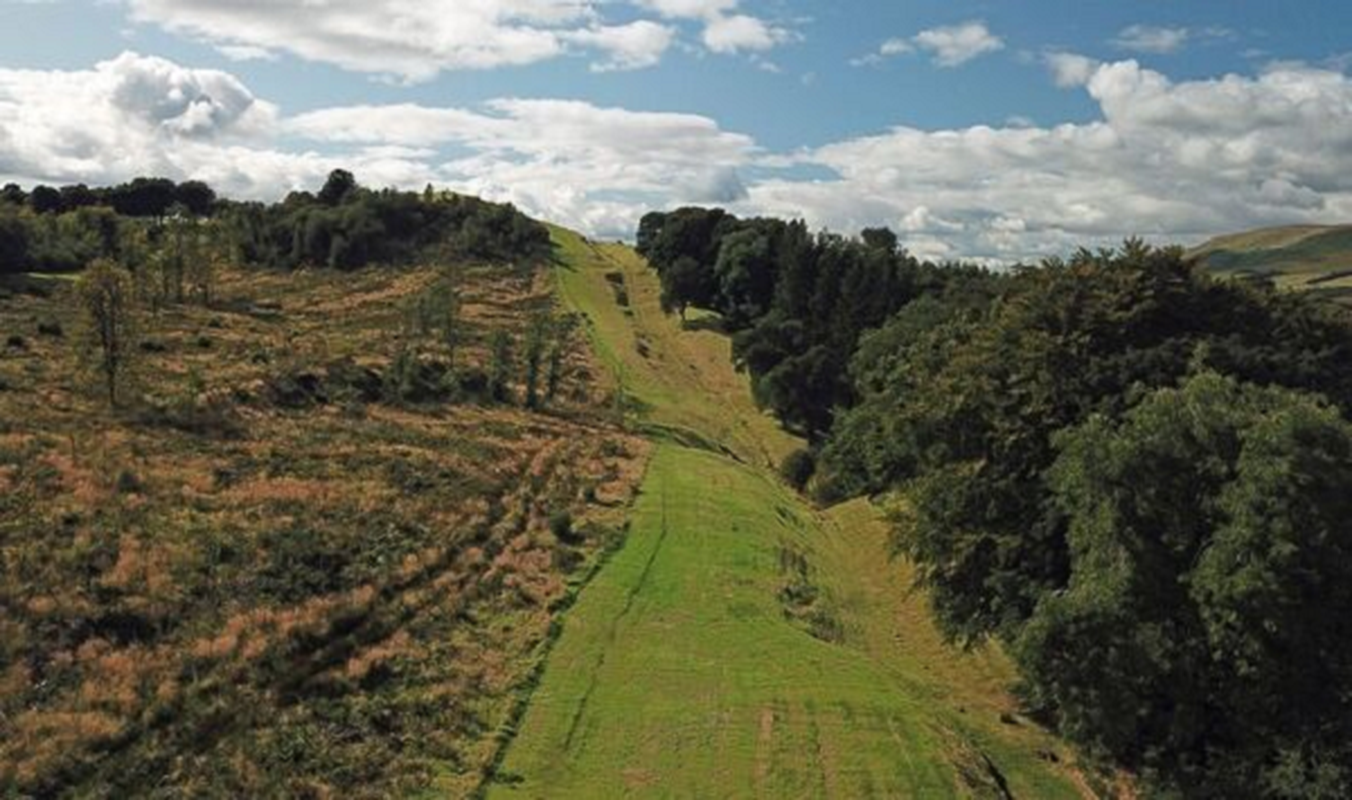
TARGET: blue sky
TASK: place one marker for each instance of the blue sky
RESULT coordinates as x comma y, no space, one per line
994,131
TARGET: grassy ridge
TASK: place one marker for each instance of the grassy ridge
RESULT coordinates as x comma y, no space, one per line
741,644
1308,257
679,671
678,379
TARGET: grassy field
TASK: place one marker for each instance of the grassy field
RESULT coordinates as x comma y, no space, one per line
1310,258
677,379
741,643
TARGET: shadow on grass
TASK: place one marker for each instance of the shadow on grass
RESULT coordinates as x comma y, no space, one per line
711,323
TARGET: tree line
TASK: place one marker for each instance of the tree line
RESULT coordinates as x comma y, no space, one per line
343,225
141,197
796,303
1136,476
346,226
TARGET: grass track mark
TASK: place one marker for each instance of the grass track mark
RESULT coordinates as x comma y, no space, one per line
615,625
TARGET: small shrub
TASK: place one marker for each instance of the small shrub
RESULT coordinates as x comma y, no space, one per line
473,383
798,468
154,346
16,342
51,328
210,416
355,383
411,379
129,482
204,342
824,625
561,525
296,390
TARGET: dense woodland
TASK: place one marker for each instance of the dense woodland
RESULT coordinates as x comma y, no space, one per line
795,302
1135,476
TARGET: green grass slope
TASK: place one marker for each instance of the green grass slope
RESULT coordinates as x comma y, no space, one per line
1306,257
742,644
679,380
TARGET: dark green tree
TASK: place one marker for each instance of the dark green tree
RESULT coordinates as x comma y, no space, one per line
45,200
337,188
196,197
15,242
538,334
502,365
13,194
1203,632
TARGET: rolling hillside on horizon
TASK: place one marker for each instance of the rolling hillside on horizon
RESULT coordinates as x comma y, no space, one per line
1314,258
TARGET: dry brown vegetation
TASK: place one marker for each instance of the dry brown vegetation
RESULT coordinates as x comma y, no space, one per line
267,578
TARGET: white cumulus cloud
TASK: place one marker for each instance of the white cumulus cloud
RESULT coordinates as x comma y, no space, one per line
1151,39
948,46
417,39
739,32
1171,160
1070,70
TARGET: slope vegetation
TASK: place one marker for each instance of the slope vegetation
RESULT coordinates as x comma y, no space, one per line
1308,257
281,574
742,644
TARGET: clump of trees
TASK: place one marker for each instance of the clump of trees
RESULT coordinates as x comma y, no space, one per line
346,226
795,302
1202,635
343,226
142,197
57,242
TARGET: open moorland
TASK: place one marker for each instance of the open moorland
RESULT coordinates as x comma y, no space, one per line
301,566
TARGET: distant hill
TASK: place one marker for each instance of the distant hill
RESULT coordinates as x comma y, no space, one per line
1306,257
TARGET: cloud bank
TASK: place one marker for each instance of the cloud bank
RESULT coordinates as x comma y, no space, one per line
415,40
1169,160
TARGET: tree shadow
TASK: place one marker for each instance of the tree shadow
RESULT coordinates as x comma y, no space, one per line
712,323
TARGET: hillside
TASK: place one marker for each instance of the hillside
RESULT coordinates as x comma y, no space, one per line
317,560
742,643
1309,257
306,565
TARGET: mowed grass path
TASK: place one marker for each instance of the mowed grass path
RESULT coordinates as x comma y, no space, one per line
685,382
678,673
